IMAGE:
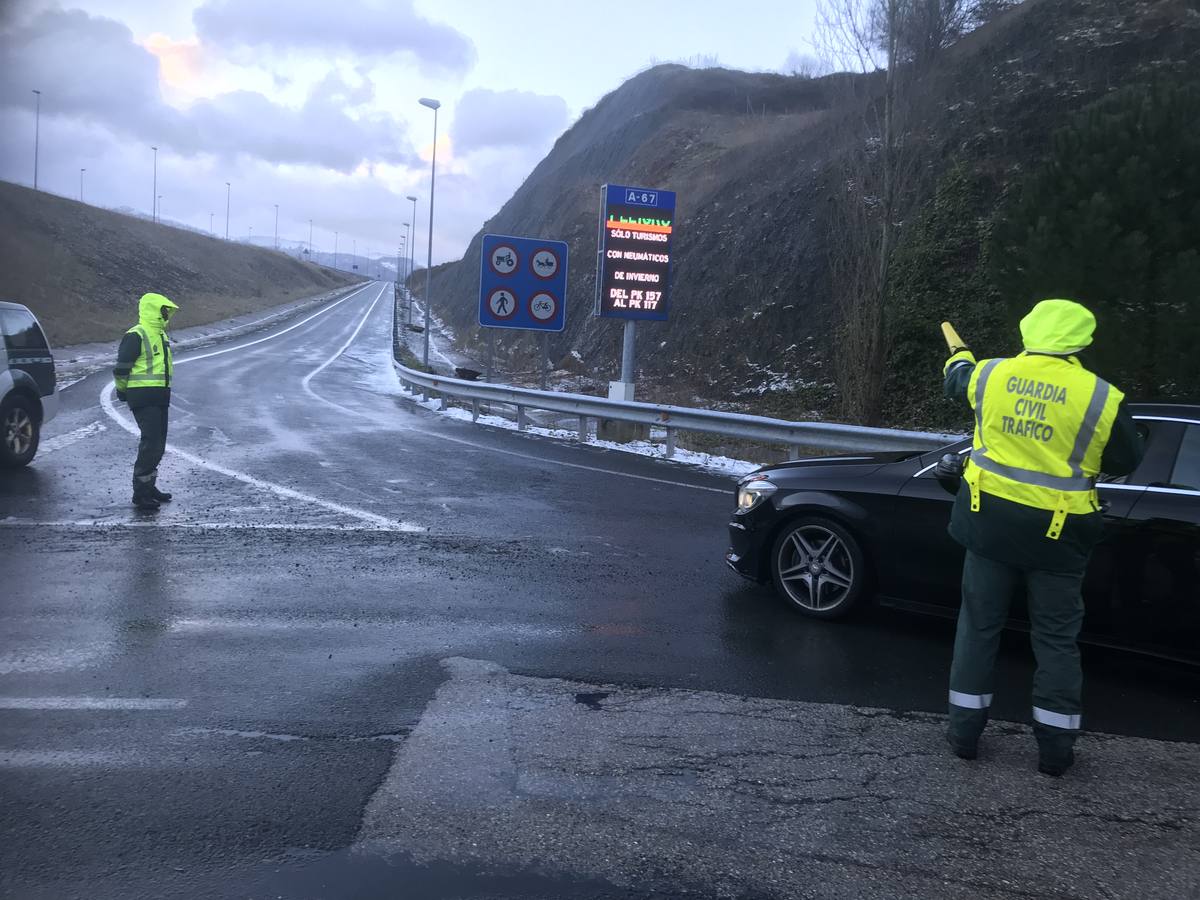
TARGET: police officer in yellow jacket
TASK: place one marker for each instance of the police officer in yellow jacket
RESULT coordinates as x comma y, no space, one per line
1028,515
143,376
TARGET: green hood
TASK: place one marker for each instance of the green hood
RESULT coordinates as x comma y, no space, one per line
150,311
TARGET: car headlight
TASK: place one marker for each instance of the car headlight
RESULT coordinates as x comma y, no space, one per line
752,492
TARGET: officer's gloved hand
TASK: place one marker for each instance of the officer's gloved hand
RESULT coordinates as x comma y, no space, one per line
121,396
959,357
948,471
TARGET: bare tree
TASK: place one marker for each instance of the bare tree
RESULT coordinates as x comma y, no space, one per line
924,28
875,181
986,10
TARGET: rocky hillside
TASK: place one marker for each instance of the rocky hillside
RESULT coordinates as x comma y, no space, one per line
81,268
753,158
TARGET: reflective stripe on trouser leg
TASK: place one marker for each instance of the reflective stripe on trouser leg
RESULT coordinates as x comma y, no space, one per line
970,701
1057,720
987,590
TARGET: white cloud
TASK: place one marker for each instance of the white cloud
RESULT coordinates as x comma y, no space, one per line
359,27
114,81
489,119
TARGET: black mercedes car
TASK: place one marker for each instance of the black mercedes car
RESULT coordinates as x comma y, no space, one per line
832,532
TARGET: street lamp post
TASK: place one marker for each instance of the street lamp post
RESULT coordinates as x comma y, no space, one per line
158,213
276,226
335,240
227,192
412,253
250,235
210,221
37,135
154,195
434,105
354,254
81,171
310,240
400,268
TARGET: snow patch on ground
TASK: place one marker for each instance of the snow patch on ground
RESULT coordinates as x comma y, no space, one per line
722,465
385,380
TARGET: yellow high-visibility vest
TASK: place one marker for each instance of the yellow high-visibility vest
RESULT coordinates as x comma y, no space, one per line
153,367
1041,425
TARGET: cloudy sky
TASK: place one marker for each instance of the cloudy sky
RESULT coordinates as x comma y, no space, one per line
312,104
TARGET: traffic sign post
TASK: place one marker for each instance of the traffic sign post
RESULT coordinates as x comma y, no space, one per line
633,265
522,285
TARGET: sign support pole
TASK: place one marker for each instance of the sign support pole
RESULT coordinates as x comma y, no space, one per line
491,354
627,353
545,361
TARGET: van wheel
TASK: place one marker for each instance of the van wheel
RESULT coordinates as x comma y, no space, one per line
818,567
19,432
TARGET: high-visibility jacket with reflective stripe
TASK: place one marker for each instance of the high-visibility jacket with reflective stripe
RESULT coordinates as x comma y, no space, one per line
1041,424
154,366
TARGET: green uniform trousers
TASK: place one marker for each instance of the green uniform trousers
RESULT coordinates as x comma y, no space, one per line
1055,614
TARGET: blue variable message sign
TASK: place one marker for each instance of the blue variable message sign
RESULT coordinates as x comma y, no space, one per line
523,283
633,273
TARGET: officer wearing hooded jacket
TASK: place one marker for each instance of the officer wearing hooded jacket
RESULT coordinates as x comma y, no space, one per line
143,376
1028,515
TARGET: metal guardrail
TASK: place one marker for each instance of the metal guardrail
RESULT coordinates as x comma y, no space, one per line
794,435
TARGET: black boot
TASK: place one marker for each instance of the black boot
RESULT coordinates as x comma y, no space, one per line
1056,765
160,496
143,498
963,749
1056,749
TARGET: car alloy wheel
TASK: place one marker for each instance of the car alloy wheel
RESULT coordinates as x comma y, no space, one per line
819,568
18,432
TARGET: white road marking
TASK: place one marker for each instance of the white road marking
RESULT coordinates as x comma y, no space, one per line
418,635
278,489
91,703
53,660
106,395
63,441
164,521
319,369
249,735
272,336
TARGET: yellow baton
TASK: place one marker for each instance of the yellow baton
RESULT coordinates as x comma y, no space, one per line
953,341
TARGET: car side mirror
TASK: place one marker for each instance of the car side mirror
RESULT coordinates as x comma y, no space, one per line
949,470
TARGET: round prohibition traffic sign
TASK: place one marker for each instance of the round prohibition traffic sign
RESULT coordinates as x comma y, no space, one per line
504,259
544,263
543,306
503,303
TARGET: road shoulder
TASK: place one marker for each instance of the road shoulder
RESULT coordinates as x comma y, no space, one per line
738,795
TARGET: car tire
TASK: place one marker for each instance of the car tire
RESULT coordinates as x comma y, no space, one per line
818,567
19,432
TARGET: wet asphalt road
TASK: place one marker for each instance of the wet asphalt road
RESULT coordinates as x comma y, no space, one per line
205,701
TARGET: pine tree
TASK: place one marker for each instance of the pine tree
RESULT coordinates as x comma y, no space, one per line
1112,219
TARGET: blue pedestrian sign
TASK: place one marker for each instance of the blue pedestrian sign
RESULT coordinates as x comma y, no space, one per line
523,283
